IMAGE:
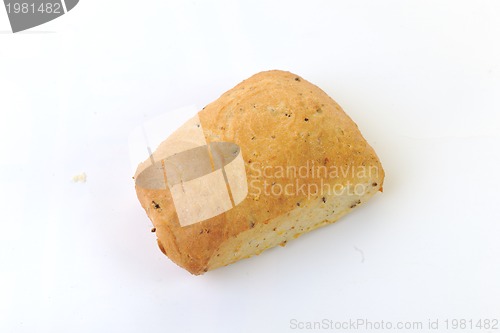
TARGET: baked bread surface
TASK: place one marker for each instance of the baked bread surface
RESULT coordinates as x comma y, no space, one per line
283,124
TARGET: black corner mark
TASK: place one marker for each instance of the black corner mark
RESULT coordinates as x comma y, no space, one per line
70,4
26,14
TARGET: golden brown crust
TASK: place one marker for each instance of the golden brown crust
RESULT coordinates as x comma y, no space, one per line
278,119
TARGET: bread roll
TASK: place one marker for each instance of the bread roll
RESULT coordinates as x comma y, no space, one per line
269,160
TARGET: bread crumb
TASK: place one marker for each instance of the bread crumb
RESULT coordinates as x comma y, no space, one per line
80,178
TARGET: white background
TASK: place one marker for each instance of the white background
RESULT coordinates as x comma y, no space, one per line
420,78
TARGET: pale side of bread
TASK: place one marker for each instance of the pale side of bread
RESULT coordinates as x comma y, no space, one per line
278,119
